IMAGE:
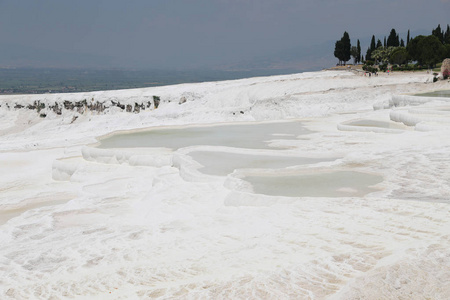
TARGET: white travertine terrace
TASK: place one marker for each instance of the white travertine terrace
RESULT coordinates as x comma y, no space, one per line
82,222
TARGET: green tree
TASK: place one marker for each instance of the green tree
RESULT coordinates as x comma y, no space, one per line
339,51
354,54
358,47
407,38
438,33
399,56
382,55
342,49
376,55
347,46
379,44
393,40
368,54
447,51
426,50
447,35
372,47
402,43
413,48
372,44
432,50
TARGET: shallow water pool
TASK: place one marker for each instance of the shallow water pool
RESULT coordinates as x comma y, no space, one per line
375,123
223,163
252,136
445,93
315,184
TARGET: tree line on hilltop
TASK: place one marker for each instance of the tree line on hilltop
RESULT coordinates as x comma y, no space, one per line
426,51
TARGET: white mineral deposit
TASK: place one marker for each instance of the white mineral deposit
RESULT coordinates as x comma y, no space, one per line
169,209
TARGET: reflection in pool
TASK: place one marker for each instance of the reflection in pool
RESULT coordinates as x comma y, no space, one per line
317,184
252,136
223,163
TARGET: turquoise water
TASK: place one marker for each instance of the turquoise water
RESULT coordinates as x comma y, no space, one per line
252,136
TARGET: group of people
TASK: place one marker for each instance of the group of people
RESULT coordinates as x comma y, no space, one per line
370,74
375,73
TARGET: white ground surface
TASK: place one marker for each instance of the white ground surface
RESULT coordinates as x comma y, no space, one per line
80,222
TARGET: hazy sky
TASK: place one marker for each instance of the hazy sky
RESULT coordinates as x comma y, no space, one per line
197,33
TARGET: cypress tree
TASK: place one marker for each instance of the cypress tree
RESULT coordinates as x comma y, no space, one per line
368,54
347,46
407,39
372,44
438,33
379,44
384,44
447,35
358,46
402,43
393,40
338,51
342,49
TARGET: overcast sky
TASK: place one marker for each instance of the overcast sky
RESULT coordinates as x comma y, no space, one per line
199,33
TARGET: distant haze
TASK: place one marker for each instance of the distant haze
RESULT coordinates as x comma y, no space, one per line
228,35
